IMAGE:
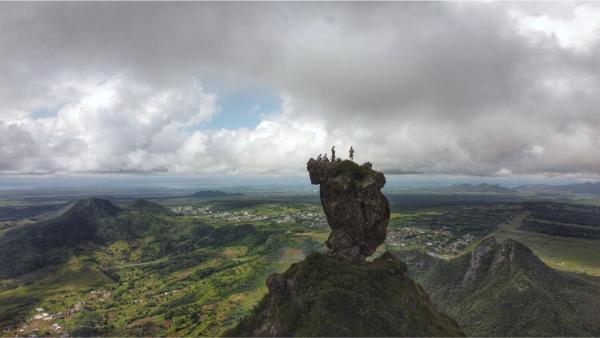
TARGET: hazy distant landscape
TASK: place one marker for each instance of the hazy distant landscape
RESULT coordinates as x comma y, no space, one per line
194,264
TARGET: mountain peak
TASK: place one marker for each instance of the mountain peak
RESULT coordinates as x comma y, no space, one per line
144,205
491,255
503,289
324,296
44,243
93,208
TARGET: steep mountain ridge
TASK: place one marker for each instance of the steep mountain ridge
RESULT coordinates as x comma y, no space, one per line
36,245
93,208
323,296
503,289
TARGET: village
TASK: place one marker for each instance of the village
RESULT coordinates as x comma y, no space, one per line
440,240
312,220
44,323
436,241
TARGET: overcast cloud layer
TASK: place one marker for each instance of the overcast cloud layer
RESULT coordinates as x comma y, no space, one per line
438,88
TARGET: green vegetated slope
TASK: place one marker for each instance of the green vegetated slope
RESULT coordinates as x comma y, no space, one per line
322,296
37,245
138,270
503,289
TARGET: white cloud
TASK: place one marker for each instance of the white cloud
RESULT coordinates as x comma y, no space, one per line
441,88
116,124
278,145
580,31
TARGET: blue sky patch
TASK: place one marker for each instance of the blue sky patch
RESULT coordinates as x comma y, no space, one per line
43,112
243,108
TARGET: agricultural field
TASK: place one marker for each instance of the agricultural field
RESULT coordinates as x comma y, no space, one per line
565,253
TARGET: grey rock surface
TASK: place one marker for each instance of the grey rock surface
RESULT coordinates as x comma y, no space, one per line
357,211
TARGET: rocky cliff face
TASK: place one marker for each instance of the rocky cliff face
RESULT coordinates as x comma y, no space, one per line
490,256
356,209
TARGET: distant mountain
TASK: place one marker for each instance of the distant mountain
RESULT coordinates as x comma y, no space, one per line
93,208
142,205
216,194
567,189
323,296
93,223
503,289
483,188
36,245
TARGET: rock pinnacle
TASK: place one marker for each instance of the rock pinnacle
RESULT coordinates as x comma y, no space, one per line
357,211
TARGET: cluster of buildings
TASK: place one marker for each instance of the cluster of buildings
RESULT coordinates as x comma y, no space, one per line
436,241
42,322
310,219
191,210
100,295
42,315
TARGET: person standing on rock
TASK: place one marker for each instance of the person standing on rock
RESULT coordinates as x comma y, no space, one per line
319,158
351,153
333,154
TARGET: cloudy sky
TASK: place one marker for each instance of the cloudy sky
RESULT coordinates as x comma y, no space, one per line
492,89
